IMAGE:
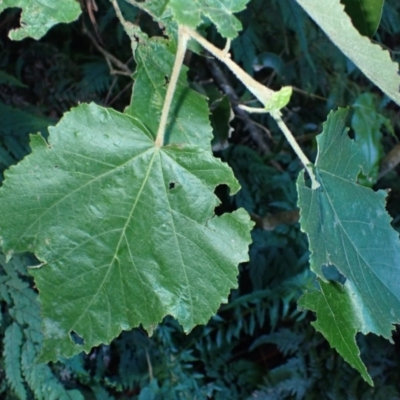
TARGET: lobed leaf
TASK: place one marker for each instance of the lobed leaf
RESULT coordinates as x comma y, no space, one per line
126,231
39,16
370,58
348,227
220,12
160,12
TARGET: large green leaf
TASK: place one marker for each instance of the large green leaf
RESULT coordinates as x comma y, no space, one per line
365,14
220,12
125,230
372,60
39,16
188,117
348,227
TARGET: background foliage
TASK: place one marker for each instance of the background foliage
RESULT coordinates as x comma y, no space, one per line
259,345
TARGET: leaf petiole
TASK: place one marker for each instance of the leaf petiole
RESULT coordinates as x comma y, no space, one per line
183,39
292,141
261,92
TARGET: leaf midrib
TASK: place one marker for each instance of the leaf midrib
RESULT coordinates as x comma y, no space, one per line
114,256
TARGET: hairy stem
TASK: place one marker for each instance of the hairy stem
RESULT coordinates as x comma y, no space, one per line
262,93
183,38
292,141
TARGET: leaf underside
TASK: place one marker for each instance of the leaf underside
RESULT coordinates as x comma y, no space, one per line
370,58
348,227
126,231
38,16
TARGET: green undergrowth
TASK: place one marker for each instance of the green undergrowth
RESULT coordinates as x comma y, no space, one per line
259,345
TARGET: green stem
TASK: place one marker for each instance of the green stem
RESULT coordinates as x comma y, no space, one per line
262,93
183,39
292,141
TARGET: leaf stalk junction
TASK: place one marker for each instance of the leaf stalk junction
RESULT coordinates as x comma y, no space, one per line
261,92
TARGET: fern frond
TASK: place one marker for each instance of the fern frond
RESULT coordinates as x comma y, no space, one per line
26,308
96,77
287,341
296,19
12,357
41,380
21,347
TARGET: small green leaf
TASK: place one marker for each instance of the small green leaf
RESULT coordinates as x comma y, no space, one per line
365,14
39,16
125,230
339,320
220,12
12,358
372,60
279,99
348,227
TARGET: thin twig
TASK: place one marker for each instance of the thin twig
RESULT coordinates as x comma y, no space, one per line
314,96
262,93
249,125
113,83
292,141
117,96
390,162
124,69
91,8
149,365
271,221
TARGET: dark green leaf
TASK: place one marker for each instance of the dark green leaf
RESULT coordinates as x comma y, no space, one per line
348,227
39,16
125,230
365,14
